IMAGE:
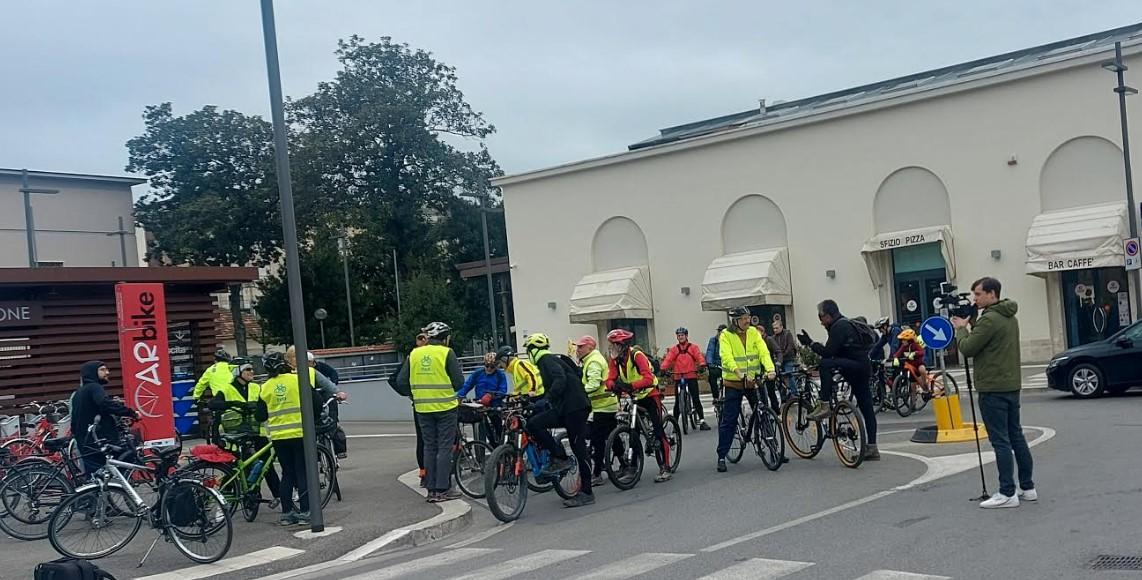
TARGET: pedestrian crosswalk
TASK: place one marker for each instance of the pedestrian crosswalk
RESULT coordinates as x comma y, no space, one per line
496,564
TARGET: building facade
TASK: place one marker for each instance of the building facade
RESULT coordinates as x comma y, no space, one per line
78,226
1009,166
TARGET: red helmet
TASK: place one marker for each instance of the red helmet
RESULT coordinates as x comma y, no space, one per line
620,336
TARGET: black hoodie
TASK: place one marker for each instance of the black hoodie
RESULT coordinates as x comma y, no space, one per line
90,401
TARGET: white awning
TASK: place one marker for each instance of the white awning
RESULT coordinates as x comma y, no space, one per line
612,294
878,267
1077,238
748,279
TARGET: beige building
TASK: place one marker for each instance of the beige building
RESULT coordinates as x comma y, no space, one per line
1008,166
78,226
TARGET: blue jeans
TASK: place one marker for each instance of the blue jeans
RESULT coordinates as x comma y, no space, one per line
731,409
788,367
1005,432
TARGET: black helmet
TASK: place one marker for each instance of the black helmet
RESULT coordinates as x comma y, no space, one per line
682,330
738,311
505,353
275,363
221,355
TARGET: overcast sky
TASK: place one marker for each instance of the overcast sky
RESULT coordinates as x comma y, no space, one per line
561,81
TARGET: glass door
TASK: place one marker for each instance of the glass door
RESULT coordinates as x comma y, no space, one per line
1096,304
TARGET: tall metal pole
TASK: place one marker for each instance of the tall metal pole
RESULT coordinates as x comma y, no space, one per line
396,276
343,245
1123,90
29,221
488,274
293,269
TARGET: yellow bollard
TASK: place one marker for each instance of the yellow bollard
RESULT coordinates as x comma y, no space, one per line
949,427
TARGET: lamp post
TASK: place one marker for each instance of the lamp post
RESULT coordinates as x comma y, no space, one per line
343,248
1119,68
484,211
321,314
29,218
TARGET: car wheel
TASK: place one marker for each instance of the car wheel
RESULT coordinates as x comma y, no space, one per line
1086,381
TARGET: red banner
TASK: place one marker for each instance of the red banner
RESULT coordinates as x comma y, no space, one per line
145,358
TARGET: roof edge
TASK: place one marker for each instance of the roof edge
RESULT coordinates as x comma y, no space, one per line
132,181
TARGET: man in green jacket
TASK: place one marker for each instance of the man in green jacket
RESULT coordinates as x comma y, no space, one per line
993,341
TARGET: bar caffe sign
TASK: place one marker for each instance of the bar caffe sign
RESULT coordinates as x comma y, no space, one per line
20,313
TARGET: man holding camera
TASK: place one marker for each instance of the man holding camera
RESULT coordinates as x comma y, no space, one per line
993,341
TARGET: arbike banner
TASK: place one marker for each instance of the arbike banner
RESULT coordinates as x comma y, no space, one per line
145,357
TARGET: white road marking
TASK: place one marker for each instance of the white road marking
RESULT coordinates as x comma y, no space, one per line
894,575
259,558
309,535
520,565
758,569
437,560
480,537
633,566
380,435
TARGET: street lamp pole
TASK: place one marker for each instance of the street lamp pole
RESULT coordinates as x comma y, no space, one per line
293,269
1118,67
488,273
343,246
29,217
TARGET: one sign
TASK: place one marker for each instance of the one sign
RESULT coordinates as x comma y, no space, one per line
1124,309
1070,264
1130,249
911,306
937,332
145,358
20,314
1112,286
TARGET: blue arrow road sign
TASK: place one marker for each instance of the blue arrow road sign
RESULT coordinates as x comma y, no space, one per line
937,332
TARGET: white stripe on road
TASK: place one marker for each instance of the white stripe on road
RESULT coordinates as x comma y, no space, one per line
438,560
633,566
259,558
759,569
480,537
894,575
521,565
380,435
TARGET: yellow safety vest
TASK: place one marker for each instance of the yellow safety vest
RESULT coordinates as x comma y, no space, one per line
283,401
630,375
216,377
432,390
750,357
525,378
594,382
233,421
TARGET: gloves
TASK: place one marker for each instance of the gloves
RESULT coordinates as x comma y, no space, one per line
486,400
804,339
770,376
911,356
895,362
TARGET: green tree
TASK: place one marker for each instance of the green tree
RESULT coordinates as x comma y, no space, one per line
427,298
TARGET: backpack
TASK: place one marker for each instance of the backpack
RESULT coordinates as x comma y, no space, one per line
655,364
70,569
866,336
572,368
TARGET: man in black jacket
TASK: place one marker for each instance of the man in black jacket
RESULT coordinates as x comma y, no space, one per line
91,401
569,409
844,351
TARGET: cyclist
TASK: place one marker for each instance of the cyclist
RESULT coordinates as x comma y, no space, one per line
281,411
525,376
569,408
235,408
845,351
89,402
340,440
604,405
216,376
714,363
888,332
491,386
685,360
911,353
631,370
744,355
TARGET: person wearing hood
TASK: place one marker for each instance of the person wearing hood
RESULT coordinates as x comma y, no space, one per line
89,401
993,342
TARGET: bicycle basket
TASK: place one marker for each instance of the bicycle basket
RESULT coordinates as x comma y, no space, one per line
9,426
469,415
181,505
212,454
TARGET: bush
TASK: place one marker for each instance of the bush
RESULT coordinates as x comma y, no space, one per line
808,357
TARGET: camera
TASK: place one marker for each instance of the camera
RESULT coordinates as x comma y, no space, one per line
958,303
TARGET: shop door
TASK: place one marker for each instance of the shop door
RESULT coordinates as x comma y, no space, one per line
915,292
1096,304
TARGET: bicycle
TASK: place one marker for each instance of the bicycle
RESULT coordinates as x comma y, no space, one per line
518,458
684,404
188,514
49,420
883,392
470,456
911,395
326,428
634,436
33,488
843,425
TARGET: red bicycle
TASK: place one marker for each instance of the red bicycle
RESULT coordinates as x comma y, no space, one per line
51,420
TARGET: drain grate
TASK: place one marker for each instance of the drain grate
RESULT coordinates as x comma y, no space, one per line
1116,563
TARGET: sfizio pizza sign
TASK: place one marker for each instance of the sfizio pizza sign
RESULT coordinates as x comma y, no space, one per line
145,357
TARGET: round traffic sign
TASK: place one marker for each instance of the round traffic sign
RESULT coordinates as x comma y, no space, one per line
1132,247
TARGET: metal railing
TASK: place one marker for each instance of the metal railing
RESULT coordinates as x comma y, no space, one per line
386,370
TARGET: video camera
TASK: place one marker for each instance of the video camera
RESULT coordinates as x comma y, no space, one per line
958,304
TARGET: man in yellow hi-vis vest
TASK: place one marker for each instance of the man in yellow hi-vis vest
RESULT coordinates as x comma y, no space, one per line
433,375
744,355
281,398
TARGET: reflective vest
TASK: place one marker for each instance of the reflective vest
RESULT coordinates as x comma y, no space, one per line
594,382
233,421
283,401
432,390
629,374
525,378
216,377
750,357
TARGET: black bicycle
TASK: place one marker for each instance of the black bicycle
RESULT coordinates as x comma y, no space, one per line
843,424
684,410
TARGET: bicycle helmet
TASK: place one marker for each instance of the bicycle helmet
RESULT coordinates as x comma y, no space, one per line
276,364
620,336
906,334
436,330
738,311
682,330
221,355
490,359
882,322
505,353
537,341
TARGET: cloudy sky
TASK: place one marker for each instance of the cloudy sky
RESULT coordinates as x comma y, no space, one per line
561,81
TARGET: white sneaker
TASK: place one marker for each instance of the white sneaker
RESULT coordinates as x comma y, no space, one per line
1000,501
1028,495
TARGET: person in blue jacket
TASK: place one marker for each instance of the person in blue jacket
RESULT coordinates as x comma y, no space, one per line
714,363
491,386
888,332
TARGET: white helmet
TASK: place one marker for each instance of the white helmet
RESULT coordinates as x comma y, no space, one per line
436,330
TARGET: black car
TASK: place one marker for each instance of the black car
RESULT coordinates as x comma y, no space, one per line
1111,365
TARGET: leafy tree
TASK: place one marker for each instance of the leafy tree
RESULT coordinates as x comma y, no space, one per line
427,298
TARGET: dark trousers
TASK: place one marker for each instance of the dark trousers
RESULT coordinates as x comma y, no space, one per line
439,430
650,406
692,388
419,440
731,410
601,428
1005,432
715,378
291,455
575,423
856,373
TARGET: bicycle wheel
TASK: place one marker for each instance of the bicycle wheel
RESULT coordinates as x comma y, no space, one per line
768,442
19,448
569,483
28,497
737,444
902,394
945,381
849,437
251,503
469,468
94,523
624,458
218,476
326,474
197,520
505,483
805,436
533,482
673,441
